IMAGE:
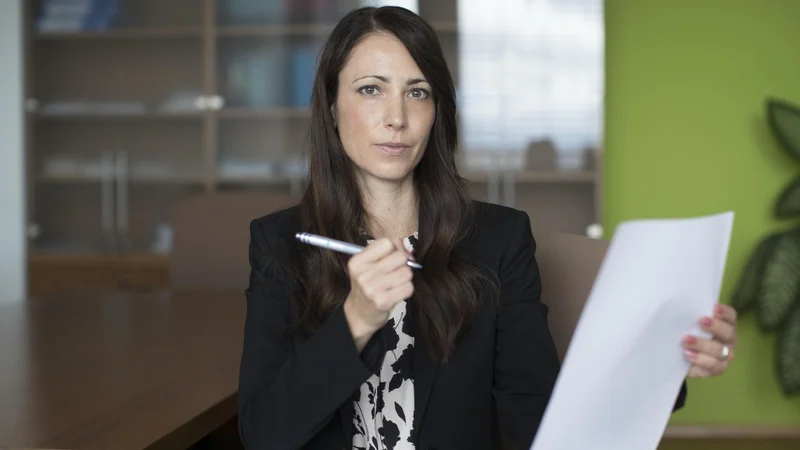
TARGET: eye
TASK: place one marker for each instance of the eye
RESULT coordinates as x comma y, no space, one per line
420,93
370,89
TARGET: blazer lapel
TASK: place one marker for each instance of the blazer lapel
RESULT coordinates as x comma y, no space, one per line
425,370
346,416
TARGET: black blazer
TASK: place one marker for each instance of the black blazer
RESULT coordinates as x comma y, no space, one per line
296,393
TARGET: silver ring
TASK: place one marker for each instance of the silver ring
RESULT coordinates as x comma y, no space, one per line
726,352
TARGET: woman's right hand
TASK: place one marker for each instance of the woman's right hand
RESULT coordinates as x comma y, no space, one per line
379,280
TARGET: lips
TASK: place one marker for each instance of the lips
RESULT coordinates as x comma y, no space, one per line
394,148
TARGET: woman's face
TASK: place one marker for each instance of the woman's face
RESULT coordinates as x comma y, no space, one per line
384,109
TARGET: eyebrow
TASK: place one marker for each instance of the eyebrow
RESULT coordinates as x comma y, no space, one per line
387,79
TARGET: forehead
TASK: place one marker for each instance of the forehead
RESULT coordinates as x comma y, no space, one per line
381,54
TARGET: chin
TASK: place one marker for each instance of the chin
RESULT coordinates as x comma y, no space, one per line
393,173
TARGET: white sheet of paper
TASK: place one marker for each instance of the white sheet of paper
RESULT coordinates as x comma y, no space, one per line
625,364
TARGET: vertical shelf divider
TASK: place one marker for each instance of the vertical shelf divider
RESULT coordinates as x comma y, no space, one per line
210,118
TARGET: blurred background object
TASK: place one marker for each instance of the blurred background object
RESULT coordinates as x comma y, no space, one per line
136,105
584,113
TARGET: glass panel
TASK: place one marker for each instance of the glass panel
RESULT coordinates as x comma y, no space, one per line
281,12
266,60
114,107
72,16
532,81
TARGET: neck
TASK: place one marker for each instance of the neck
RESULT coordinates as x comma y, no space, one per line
392,208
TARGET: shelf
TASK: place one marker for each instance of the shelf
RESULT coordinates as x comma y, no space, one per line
306,29
731,432
267,113
130,33
274,30
92,258
533,177
271,180
189,53
155,115
143,179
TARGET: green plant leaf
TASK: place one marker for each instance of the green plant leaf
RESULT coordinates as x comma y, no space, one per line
788,354
788,204
780,284
747,289
784,119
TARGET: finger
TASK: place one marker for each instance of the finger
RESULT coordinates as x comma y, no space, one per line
698,372
400,246
386,273
700,345
726,312
383,282
374,251
397,294
713,365
706,346
721,330
391,262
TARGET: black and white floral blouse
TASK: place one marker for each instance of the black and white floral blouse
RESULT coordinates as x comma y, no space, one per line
383,411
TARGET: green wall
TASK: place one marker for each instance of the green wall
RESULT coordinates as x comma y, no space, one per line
686,135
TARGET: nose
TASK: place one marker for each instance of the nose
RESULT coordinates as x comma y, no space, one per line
396,117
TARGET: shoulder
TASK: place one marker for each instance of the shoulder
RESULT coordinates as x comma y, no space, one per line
277,224
499,234
500,224
272,237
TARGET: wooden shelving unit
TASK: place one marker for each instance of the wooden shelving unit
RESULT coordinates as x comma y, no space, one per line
182,97
266,113
130,33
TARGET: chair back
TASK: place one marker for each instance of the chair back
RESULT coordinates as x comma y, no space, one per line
211,234
568,264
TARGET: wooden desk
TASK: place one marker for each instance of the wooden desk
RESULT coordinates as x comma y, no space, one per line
121,370
160,370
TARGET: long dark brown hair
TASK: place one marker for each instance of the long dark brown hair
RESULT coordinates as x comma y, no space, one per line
447,290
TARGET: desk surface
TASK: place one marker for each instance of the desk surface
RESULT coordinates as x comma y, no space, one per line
145,371
122,371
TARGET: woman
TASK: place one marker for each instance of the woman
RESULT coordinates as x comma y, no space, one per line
361,352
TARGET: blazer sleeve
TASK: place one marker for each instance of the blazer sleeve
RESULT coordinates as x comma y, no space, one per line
526,361
288,392
680,402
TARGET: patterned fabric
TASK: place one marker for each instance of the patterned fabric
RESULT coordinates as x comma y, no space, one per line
383,412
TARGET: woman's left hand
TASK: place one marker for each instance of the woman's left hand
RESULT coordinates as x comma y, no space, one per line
710,357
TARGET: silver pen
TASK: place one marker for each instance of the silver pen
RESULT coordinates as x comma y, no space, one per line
338,246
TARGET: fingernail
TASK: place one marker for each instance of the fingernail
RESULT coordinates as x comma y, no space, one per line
691,354
719,309
410,256
706,322
690,339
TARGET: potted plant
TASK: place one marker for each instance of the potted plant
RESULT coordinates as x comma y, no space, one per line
770,282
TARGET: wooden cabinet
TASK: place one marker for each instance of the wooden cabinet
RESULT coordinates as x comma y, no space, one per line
50,273
167,99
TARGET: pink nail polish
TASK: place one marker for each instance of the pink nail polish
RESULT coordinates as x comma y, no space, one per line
706,322
720,310
691,354
690,340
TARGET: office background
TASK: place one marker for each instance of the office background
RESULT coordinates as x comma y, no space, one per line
686,134
683,133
